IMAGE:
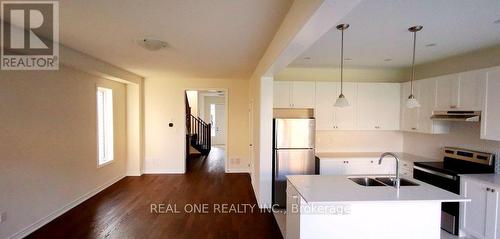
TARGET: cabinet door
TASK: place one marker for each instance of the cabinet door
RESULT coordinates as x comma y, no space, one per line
303,93
358,166
492,211
333,166
473,213
281,94
293,201
490,128
447,92
368,106
409,117
326,93
345,118
472,90
388,106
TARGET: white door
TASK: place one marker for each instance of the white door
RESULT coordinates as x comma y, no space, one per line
473,219
345,118
219,121
303,93
388,108
368,106
250,139
281,94
332,167
326,93
447,92
490,128
427,99
472,90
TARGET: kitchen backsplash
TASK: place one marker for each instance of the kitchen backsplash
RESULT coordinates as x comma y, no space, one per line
462,135
359,141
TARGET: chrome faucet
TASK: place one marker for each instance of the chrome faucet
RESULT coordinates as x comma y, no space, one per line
397,165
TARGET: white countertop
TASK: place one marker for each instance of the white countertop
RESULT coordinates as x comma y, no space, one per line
324,189
489,178
403,156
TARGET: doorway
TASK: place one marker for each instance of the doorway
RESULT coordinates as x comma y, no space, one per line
210,107
218,122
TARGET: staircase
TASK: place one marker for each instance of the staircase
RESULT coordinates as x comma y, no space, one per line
199,133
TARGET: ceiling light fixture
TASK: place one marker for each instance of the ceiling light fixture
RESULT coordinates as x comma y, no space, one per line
342,101
412,102
152,44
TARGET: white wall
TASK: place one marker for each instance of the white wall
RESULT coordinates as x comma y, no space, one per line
49,143
462,134
359,141
164,103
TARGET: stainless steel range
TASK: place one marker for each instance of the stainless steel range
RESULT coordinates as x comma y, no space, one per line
445,175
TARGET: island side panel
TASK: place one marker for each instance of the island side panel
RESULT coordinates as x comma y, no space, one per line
384,220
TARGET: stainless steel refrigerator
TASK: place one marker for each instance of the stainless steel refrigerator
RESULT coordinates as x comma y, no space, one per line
293,153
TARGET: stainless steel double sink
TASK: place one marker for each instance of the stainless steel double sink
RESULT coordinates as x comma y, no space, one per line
381,181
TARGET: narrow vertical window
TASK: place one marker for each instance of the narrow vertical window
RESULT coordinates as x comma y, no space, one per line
105,125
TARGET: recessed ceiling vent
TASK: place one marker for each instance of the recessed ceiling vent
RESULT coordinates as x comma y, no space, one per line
152,44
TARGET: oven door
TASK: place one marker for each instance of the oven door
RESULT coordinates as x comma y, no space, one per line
449,210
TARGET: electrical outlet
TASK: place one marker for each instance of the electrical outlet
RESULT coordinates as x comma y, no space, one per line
3,216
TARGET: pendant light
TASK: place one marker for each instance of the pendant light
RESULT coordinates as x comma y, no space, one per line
342,101
412,102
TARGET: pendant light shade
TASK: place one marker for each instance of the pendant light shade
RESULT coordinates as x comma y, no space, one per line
341,100
412,102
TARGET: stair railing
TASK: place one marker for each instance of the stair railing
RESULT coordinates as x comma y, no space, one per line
203,131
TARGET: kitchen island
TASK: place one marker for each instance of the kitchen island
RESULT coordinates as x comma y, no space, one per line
363,207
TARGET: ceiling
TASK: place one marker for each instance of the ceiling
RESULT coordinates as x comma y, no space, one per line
378,31
208,39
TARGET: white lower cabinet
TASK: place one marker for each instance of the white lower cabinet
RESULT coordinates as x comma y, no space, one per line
479,217
353,166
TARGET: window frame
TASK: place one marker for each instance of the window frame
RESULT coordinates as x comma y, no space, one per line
107,121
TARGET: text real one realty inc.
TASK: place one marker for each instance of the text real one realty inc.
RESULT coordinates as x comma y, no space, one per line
167,208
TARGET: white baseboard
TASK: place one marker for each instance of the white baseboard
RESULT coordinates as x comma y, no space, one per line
40,223
163,172
237,170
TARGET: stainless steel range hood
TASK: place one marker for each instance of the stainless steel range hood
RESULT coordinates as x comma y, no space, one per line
456,115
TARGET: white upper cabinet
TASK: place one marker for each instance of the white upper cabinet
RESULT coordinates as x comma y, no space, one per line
378,106
282,94
460,91
427,98
345,118
329,117
303,93
471,90
447,92
326,93
490,116
294,94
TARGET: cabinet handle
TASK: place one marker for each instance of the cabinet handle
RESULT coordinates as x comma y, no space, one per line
488,189
377,127
453,106
413,128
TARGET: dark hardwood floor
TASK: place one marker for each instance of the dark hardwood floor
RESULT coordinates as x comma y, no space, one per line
124,209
